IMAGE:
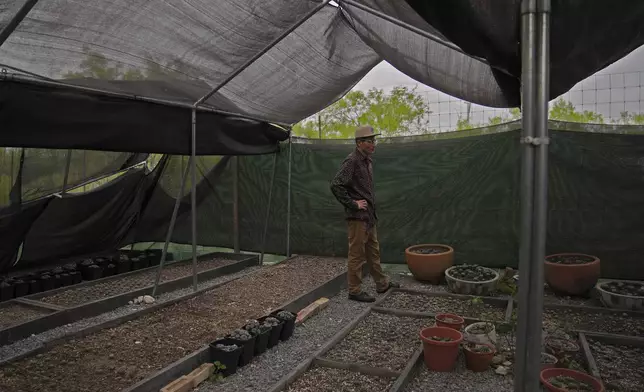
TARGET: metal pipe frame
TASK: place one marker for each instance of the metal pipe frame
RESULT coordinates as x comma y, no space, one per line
66,177
534,190
288,198
268,211
418,31
236,204
193,196
15,21
173,220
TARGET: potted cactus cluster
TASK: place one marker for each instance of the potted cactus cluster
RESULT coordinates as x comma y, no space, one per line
240,346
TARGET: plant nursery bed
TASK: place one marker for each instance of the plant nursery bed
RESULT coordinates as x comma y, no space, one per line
380,341
115,358
460,379
620,366
80,295
489,309
592,320
322,379
14,314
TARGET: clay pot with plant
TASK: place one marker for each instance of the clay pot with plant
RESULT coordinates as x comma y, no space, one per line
449,320
566,380
622,294
440,347
481,332
428,262
478,357
572,274
548,361
471,279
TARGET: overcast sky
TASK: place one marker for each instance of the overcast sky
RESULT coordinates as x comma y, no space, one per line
612,90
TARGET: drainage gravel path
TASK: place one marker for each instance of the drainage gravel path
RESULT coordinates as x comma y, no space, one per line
270,367
35,341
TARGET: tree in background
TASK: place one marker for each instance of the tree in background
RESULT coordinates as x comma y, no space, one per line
402,111
563,110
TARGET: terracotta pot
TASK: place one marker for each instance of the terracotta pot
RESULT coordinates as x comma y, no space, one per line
479,362
547,374
445,320
429,267
572,279
440,356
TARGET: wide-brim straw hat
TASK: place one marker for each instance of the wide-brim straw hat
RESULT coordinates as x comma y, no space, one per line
365,131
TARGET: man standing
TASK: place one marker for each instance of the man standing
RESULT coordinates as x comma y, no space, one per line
353,187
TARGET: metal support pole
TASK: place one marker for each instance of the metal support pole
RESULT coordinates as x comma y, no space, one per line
15,21
66,177
268,210
288,198
193,197
236,204
534,191
173,220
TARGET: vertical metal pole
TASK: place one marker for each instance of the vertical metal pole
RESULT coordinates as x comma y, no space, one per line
540,217
66,177
319,126
236,203
11,183
268,210
15,21
193,197
288,199
528,88
173,220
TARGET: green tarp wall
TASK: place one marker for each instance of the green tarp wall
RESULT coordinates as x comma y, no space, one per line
460,189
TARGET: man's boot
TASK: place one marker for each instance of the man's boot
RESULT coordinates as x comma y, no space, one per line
361,297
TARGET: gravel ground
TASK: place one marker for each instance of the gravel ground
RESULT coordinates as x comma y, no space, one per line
35,341
620,367
112,359
80,295
17,314
460,380
616,323
308,337
381,340
334,380
435,304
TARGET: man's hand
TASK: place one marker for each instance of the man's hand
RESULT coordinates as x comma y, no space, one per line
362,204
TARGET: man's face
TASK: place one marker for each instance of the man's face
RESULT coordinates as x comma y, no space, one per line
367,145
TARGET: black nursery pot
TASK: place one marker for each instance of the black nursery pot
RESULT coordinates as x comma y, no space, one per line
46,282
58,281
288,326
6,291
248,349
77,277
109,270
137,263
66,279
35,286
93,273
228,359
21,288
275,333
261,342
123,266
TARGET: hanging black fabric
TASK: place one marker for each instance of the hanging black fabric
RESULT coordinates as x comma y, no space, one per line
56,117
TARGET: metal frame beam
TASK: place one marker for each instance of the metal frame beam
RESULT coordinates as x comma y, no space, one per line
66,176
15,21
268,211
288,198
236,204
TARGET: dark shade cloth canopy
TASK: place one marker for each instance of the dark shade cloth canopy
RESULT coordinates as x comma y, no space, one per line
585,37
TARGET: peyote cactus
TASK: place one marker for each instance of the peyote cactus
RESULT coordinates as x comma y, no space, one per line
271,322
240,334
226,347
285,315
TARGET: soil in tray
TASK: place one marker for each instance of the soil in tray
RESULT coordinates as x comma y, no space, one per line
585,320
320,379
80,295
381,340
440,304
115,358
570,259
17,314
620,367
635,289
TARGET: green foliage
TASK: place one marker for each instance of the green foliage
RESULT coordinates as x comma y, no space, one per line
400,112
563,110
217,374
97,66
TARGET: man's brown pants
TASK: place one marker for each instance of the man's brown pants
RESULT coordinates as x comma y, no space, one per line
364,248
